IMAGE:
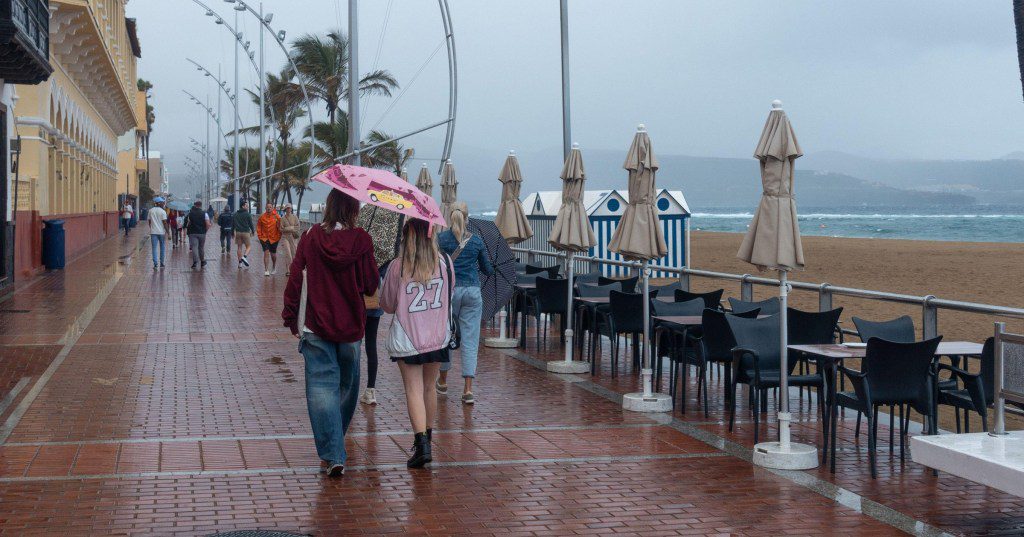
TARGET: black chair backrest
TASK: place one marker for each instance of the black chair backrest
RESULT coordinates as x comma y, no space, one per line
589,278
665,290
761,336
520,267
552,294
812,327
898,330
588,291
988,369
769,306
899,372
628,285
552,271
627,311
691,307
526,278
717,339
712,300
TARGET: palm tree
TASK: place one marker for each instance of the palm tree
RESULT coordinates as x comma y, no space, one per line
284,98
322,62
326,136
147,87
387,155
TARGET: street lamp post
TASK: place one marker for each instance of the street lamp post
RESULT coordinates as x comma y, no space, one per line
353,81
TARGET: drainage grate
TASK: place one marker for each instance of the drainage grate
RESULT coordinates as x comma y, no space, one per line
258,533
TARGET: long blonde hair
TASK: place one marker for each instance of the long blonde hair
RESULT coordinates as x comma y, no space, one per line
419,253
458,218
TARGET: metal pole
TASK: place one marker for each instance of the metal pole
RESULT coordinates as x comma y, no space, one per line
353,80
784,416
237,126
566,116
264,190
570,307
1000,371
206,150
646,367
220,129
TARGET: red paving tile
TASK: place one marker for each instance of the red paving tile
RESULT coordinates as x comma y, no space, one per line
212,383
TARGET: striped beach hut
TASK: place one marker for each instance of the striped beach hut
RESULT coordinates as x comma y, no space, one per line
605,208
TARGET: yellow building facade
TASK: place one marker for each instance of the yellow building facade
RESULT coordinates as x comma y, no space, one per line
72,165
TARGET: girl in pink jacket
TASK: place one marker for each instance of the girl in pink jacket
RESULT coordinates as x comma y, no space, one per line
417,290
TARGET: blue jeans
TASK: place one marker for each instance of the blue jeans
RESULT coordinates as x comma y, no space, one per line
468,307
162,241
332,390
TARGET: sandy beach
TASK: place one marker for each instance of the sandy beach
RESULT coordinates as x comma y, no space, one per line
990,273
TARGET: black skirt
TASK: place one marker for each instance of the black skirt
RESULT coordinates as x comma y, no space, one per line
432,357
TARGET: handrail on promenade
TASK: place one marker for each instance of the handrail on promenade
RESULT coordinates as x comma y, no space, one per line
930,305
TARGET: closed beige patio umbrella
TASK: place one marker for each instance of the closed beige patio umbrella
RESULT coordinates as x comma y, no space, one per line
405,174
424,182
638,237
449,190
773,243
571,233
511,220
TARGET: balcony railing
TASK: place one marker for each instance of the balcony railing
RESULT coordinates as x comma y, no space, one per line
25,41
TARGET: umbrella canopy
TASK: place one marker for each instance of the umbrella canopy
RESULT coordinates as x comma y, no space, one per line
638,237
424,182
219,200
511,220
449,190
178,206
405,174
496,289
383,189
773,240
571,231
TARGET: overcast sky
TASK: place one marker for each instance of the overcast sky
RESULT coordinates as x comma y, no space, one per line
908,79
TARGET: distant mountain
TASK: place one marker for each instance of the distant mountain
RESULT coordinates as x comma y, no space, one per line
988,181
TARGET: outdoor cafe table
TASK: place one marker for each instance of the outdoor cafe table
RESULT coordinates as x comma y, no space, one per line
830,356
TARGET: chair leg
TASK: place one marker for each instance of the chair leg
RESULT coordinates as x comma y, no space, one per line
956,412
757,413
872,418
967,421
731,388
704,381
857,433
834,416
903,435
682,389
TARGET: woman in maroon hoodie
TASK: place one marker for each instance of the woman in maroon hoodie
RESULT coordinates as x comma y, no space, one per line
340,270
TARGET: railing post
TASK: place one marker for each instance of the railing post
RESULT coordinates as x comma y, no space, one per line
1000,370
684,281
746,289
824,298
531,257
929,318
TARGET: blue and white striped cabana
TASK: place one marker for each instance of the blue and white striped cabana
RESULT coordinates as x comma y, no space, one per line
605,208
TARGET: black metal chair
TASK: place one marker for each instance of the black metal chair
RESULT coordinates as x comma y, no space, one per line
521,304
712,300
811,328
520,267
898,330
593,291
714,346
586,313
757,362
667,291
550,299
769,306
973,392
623,316
672,341
552,271
588,278
628,285
891,374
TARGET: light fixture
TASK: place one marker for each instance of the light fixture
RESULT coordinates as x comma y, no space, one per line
280,35
220,20
268,17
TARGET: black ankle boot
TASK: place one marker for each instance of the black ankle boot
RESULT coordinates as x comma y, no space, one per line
430,435
421,451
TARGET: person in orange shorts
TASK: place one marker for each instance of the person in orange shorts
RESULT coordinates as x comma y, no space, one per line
268,231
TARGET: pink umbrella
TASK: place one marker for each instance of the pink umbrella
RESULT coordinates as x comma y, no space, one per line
383,189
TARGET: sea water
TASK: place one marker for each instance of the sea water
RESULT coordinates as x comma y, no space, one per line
973,223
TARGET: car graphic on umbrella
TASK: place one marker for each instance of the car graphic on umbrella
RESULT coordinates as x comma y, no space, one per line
389,197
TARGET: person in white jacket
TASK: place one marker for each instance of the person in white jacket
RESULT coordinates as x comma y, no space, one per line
417,290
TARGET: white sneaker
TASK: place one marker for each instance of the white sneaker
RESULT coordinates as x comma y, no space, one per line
369,397
273,272
240,265
266,273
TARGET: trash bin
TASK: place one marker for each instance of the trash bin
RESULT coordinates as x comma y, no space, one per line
53,244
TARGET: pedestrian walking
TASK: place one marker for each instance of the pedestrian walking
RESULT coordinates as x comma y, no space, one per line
417,290
179,228
158,230
243,229
226,223
335,261
268,231
291,229
470,260
196,224
127,212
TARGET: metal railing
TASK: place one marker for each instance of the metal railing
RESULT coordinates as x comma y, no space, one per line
1009,373
929,304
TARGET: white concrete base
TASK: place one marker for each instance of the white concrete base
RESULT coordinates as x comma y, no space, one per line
994,461
574,368
655,402
501,342
797,457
